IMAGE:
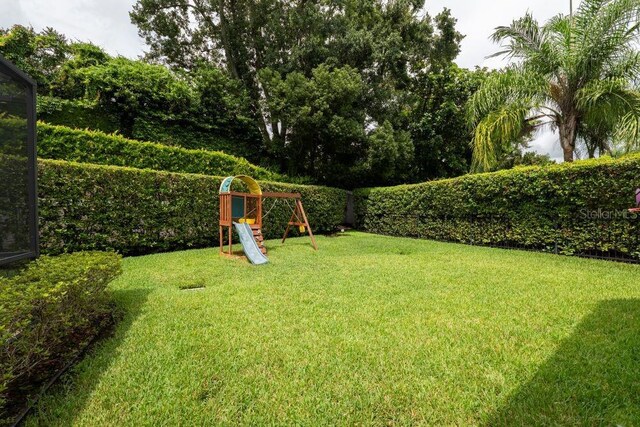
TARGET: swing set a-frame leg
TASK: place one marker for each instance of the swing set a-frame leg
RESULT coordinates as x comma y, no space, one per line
306,223
286,232
301,219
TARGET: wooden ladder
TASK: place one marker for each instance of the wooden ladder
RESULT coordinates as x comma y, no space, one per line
257,235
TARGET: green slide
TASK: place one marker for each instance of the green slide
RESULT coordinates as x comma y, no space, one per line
249,245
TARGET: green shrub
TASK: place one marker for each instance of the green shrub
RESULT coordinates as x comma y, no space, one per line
185,133
571,208
62,143
133,211
76,113
167,129
48,311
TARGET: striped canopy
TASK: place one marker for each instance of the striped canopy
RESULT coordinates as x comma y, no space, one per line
254,188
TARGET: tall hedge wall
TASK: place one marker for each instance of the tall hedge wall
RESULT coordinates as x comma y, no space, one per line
578,208
134,211
63,143
187,134
76,113
83,114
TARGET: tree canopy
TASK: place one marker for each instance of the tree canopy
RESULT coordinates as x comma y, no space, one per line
326,80
576,74
347,93
41,55
205,109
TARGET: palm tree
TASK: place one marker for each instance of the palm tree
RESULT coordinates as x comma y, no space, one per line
575,74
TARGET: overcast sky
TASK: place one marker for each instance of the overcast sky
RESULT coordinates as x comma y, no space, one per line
106,23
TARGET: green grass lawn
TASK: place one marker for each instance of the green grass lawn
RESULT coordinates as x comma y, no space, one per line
369,330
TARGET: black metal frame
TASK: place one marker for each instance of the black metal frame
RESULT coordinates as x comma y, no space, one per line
30,85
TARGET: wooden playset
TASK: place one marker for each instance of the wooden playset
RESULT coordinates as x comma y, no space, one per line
244,212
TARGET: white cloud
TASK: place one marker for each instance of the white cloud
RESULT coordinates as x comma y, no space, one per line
478,19
105,23
547,143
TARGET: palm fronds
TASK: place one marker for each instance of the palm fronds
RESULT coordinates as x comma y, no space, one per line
580,72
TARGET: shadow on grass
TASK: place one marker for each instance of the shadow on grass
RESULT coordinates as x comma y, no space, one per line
66,399
592,379
338,234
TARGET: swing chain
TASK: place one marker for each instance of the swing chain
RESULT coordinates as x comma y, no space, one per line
275,202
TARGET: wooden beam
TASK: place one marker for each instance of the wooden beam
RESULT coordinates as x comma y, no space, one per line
282,195
238,193
221,239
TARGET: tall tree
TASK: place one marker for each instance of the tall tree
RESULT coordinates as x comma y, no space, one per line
41,55
386,44
437,122
324,117
241,36
574,74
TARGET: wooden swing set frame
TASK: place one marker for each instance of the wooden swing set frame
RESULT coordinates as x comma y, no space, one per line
253,206
298,216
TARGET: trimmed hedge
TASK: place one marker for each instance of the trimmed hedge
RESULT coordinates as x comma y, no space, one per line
63,143
187,134
48,312
83,114
578,208
134,211
76,113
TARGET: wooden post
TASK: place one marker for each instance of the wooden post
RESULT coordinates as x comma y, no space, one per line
286,232
221,236
306,222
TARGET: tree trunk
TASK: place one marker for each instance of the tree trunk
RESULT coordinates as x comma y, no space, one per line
229,53
257,111
567,129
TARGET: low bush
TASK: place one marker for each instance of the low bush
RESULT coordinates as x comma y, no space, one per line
48,312
63,143
134,211
578,208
